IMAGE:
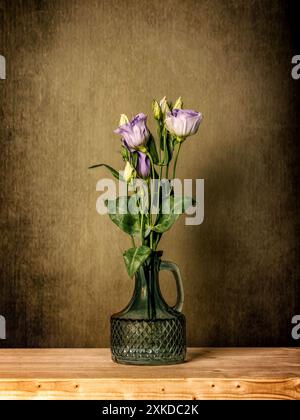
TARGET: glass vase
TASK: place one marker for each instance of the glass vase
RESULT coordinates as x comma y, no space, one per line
149,331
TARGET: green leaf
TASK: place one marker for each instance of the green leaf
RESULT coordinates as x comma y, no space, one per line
147,231
134,157
177,207
125,153
129,223
135,257
152,149
112,170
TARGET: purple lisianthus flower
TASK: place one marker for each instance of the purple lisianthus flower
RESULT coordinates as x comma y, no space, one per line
183,122
135,133
143,166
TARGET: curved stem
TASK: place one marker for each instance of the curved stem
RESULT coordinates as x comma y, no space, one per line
175,163
142,227
152,165
159,134
150,198
166,153
132,241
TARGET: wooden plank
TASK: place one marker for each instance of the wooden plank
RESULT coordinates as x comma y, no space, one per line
213,373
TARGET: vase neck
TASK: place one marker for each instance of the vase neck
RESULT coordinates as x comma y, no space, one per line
147,285
147,294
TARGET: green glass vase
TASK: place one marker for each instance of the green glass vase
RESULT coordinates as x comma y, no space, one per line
148,331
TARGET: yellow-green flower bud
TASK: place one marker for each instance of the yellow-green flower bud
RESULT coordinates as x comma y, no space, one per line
128,172
156,110
178,103
164,106
123,120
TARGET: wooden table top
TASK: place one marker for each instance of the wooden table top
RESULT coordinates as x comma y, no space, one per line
208,373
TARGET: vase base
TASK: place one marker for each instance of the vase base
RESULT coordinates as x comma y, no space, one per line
148,342
147,362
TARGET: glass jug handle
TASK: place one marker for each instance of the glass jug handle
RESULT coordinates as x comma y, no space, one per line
169,266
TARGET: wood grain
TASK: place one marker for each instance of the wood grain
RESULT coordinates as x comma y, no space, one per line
209,373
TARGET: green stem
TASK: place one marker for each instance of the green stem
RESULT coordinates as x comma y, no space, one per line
150,201
157,240
142,227
152,165
165,135
175,163
132,241
159,141
159,138
160,172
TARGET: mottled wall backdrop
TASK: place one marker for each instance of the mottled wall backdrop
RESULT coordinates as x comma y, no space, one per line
72,67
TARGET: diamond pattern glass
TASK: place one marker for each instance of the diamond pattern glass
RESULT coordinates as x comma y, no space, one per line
148,342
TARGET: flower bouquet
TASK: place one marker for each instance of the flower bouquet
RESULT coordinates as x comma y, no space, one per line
148,330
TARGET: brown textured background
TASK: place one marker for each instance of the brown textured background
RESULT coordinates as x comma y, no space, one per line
72,67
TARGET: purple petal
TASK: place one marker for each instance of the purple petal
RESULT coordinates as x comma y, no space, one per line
135,133
183,122
143,165
138,118
127,146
